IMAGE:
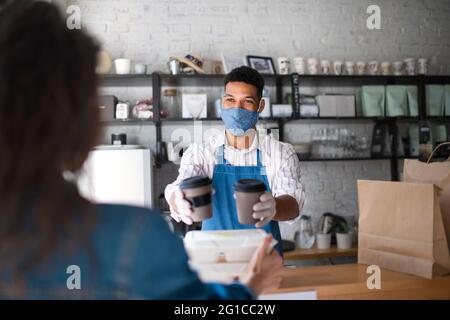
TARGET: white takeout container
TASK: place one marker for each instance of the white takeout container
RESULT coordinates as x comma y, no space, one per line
232,245
220,272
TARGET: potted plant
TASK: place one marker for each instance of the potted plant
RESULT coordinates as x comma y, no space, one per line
343,236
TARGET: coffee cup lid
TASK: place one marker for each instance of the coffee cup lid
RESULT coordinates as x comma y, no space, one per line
195,182
249,185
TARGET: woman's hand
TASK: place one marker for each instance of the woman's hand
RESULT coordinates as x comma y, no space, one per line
265,269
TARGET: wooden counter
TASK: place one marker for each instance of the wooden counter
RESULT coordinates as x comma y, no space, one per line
348,281
314,253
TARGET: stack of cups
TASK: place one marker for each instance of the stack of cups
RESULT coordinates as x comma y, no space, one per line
360,68
337,67
299,65
385,68
283,65
397,68
325,66
422,64
410,66
372,67
350,68
313,66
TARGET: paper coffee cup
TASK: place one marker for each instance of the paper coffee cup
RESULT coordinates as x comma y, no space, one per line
410,66
198,191
325,66
372,66
350,68
360,68
283,65
313,66
300,65
247,193
422,66
386,68
337,67
397,68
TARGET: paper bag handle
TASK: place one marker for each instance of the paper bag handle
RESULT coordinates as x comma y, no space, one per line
435,149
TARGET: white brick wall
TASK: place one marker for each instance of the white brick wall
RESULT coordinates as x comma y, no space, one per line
150,31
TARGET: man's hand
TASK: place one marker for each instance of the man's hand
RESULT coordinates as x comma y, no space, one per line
265,209
180,208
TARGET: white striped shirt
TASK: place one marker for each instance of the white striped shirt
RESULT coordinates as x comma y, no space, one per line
279,159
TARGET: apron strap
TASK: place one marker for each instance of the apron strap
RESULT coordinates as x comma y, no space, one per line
220,156
258,158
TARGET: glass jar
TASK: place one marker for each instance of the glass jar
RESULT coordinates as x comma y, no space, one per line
170,105
218,104
305,237
266,113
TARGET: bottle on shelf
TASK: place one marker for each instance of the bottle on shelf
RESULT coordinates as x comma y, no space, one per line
425,141
305,238
266,113
218,104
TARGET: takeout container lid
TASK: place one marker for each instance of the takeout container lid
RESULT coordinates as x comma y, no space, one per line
233,245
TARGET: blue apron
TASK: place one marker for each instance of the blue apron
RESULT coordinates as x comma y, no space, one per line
224,205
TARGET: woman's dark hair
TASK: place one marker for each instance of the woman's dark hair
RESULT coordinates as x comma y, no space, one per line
49,121
247,75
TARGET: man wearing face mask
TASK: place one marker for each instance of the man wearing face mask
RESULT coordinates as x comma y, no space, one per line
238,154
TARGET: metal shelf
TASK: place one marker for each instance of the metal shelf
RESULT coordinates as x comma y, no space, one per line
353,118
428,79
286,119
188,119
157,81
438,118
128,121
204,76
125,76
203,80
344,159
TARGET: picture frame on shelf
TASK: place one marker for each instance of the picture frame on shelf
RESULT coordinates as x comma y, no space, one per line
232,62
263,65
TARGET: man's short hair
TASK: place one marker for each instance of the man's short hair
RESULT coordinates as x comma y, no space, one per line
247,75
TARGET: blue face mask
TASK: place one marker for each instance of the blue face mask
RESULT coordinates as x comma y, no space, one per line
238,120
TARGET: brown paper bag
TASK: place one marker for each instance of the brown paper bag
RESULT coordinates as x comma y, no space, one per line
437,173
401,228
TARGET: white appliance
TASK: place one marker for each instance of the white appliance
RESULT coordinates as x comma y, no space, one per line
118,174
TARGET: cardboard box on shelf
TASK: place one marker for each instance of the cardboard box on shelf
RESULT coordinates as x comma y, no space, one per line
336,105
194,106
